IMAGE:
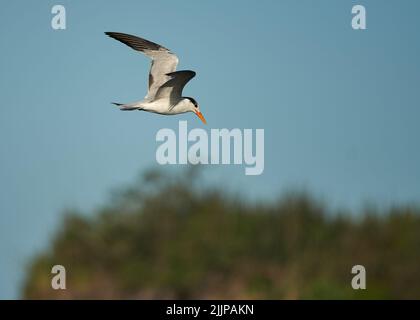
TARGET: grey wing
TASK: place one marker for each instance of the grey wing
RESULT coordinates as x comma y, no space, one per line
172,89
163,60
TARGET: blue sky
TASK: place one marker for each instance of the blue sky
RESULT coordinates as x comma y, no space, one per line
340,108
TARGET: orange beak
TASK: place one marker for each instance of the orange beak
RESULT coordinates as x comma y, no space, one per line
200,115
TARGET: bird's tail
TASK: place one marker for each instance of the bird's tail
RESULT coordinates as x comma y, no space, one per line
126,107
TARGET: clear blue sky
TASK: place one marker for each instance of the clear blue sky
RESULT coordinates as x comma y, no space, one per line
340,108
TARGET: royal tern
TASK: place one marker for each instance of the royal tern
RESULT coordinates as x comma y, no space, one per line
164,94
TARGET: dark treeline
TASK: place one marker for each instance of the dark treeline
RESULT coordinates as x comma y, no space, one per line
166,238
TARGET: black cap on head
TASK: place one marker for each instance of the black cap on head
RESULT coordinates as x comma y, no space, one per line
193,101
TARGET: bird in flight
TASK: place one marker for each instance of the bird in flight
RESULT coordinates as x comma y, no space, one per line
164,95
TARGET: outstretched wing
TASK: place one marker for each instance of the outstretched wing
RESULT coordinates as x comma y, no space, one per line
172,89
163,60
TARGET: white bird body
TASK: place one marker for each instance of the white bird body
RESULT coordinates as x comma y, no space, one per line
160,106
164,95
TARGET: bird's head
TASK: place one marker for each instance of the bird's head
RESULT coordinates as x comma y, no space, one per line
193,107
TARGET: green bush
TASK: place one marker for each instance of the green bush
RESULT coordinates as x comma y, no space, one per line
167,238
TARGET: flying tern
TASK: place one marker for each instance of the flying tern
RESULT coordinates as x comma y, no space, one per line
164,95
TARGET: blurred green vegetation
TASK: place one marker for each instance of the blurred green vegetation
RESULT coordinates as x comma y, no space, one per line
167,237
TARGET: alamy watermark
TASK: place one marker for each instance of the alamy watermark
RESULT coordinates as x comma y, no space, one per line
224,146
58,21
58,282
358,282
358,21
